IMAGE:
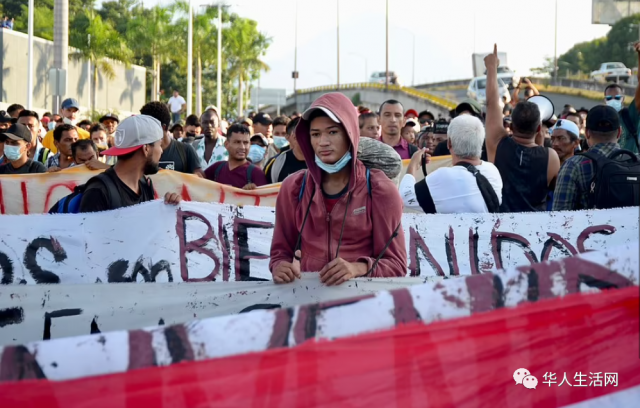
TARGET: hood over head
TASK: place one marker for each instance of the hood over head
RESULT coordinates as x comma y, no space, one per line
336,106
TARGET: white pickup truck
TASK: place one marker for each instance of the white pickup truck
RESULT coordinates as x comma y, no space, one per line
612,72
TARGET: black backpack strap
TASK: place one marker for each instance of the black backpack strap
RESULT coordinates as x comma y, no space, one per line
628,123
424,197
216,173
112,190
486,189
249,171
182,153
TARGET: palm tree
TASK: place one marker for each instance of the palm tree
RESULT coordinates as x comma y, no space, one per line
245,46
150,34
99,43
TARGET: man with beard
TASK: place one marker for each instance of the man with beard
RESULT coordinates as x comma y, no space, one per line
210,148
138,141
70,110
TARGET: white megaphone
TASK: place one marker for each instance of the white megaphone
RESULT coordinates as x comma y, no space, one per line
545,105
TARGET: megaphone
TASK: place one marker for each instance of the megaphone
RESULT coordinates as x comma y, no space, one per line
545,105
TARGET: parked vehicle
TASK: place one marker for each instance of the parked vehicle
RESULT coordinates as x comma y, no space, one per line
612,72
508,76
381,78
478,90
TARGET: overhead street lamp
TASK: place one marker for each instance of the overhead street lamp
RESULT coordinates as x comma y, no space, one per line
30,61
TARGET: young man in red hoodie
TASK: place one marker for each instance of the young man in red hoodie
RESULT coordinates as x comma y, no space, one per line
336,194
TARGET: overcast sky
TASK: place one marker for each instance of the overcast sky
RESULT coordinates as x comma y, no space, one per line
446,34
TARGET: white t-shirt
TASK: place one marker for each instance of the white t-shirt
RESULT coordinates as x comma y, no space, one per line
454,189
176,103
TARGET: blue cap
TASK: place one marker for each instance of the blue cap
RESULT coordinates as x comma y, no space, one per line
70,103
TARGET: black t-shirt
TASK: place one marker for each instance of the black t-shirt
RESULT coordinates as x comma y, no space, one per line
96,195
172,159
29,167
524,176
291,165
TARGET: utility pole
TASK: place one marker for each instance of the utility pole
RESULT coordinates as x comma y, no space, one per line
60,44
295,63
30,61
555,48
190,62
386,80
219,73
338,28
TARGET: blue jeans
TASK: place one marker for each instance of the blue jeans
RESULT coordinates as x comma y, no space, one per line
175,117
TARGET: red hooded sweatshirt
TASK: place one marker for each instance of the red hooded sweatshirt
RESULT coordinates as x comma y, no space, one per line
371,219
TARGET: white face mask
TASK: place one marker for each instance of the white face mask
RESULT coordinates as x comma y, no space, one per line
69,121
615,104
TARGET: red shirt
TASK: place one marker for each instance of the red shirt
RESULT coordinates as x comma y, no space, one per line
402,149
236,177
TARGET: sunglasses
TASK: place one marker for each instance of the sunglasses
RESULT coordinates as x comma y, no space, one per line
609,97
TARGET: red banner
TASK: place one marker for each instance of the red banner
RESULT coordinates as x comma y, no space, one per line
581,340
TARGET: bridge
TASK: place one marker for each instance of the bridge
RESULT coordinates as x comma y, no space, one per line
440,98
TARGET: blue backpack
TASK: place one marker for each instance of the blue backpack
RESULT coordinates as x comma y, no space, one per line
71,204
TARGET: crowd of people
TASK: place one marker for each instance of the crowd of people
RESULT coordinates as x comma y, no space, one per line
340,165
7,23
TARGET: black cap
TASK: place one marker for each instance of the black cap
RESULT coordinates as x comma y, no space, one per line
4,117
110,116
175,125
441,127
263,119
603,118
18,131
583,109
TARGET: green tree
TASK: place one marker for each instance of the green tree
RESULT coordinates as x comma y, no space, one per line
99,43
244,48
150,33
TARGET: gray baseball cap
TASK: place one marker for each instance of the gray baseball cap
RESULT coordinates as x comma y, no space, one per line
133,133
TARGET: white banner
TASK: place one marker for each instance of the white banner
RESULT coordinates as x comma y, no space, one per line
41,312
193,242
329,313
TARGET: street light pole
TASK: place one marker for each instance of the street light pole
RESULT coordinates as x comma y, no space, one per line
386,79
219,72
190,61
295,63
338,28
30,62
555,48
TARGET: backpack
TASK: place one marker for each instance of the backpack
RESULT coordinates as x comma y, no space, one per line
628,123
615,183
219,169
43,155
70,204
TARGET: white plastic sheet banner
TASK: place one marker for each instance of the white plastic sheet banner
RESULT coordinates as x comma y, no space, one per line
196,242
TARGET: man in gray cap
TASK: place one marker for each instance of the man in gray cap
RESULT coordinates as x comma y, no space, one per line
137,145
70,111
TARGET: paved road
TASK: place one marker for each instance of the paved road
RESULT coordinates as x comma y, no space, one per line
558,100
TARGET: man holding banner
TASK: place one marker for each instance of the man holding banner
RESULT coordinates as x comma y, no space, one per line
336,194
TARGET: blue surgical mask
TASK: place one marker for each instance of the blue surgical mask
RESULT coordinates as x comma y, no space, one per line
256,153
51,125
12,153
335,167
615,104
280,142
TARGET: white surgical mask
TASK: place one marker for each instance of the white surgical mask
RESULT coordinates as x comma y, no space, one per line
280,142
12,153
51,125
615,104
335,167
69,121
256,153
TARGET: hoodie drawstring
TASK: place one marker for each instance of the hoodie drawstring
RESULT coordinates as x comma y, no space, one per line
344,219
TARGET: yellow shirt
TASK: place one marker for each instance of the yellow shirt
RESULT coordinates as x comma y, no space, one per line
48,139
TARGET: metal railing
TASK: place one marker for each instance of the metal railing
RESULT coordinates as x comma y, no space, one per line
416,93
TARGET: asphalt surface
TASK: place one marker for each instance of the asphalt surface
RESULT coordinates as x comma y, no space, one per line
558,100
